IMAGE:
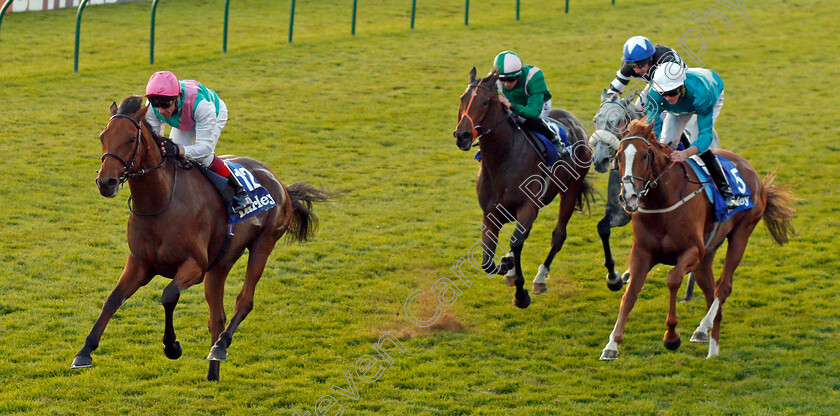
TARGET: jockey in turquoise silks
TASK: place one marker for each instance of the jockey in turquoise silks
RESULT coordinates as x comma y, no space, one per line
684,93
524,92
197,116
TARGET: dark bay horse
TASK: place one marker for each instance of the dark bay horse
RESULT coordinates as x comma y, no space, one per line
514,183
178,227
671,225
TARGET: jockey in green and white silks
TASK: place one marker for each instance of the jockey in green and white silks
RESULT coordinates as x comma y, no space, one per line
524,92
684,93
197,116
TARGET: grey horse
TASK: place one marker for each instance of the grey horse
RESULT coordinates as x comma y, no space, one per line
612,118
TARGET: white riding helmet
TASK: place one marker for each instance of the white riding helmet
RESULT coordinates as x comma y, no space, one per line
668,76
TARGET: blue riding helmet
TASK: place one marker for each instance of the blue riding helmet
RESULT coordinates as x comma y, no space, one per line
637,48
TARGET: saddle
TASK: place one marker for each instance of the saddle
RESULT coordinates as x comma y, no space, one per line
261,199
740,189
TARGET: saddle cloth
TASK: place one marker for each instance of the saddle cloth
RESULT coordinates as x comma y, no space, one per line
261,199
739,187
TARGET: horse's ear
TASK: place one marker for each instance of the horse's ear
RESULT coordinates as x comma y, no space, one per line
472,75
648,132
141,114
113,108
633,97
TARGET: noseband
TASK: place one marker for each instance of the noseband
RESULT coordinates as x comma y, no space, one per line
476,127
648,183
127,173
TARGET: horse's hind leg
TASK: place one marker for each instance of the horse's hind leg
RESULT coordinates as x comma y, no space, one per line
189,273
214,290
133,277
705,278
723,288
558,237
257,258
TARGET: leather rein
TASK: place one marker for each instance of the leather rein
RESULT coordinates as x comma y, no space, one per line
129,166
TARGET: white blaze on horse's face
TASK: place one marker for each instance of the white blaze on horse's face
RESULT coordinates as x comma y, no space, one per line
629,191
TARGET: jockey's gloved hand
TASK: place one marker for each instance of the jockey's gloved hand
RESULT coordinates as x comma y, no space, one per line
170,149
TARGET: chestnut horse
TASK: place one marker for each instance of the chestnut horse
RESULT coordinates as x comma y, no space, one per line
178,227
671,225
514,183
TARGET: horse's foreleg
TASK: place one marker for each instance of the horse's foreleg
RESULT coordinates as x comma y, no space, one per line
640,265
614,216
214,290
489,240
686,263
525,219
133,277
189,273
257,258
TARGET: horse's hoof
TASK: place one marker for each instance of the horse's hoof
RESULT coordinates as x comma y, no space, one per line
615,285
626,276
510,280
81,362
173,352
673,345
217,353
539,288
685,299
522,302
699,336
609,355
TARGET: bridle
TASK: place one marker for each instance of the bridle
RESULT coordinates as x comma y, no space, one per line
477,127
127,173
648,183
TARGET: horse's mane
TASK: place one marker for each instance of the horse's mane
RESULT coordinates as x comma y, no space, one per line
643,125
130,106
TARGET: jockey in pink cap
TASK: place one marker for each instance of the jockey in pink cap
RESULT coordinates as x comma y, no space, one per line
197,116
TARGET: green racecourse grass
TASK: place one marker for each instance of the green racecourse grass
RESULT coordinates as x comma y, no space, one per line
374,114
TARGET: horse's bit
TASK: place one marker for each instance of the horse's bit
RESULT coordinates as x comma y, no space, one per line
127,173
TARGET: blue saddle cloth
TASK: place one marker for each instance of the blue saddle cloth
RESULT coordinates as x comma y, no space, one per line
739,188
261,199
552,154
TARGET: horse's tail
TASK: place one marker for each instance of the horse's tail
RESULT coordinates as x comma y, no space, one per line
586,194
779,212
304,222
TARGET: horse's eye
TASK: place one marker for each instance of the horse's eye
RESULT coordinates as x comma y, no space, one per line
485,103
644,156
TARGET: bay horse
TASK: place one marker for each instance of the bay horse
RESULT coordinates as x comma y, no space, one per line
178,226
670,226
515,184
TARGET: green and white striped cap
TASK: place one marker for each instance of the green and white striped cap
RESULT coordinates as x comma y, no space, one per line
507,64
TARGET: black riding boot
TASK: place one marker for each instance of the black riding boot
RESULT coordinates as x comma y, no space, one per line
540,126
239,198
716,171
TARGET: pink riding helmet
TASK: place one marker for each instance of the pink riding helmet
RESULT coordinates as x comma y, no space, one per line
163,83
